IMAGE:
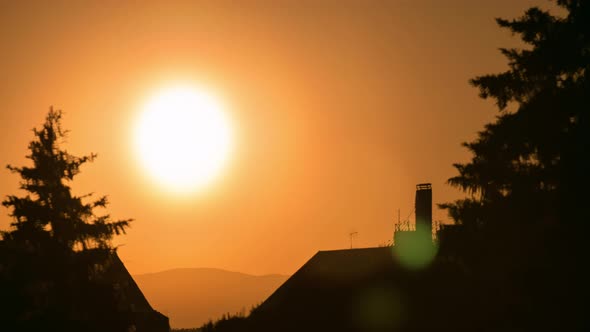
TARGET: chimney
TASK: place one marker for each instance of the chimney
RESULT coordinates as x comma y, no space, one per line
424,208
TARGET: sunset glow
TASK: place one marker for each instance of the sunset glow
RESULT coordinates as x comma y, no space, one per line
182,138
343,165
325,114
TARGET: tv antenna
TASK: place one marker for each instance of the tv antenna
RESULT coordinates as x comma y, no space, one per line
352,234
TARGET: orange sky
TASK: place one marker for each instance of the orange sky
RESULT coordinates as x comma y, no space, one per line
339,109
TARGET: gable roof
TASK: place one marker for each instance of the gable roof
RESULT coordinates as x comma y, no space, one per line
130,295
357,290
326,289
335,268
131,299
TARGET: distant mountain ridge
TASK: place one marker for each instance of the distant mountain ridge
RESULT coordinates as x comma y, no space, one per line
192,296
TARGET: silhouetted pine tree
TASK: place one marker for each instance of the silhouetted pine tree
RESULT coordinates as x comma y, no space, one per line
528,180
52,257
50,211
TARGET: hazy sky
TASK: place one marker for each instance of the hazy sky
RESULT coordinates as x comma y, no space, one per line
339,108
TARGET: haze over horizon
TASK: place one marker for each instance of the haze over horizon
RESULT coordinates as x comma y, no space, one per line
338,109
192,296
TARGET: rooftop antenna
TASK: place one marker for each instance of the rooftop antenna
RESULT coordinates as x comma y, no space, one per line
352,234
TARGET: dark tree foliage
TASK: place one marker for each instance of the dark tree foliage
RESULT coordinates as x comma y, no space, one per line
535,157
52,258
49,212
528,181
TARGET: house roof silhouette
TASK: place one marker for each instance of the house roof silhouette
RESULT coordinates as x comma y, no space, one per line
131,299
358,290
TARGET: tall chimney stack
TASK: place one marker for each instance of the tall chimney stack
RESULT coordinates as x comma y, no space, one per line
424,208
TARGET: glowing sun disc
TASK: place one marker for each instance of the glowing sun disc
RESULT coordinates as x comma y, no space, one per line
183,138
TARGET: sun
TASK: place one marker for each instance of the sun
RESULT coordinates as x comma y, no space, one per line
183,138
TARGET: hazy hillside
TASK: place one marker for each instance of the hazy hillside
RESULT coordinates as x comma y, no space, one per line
190,297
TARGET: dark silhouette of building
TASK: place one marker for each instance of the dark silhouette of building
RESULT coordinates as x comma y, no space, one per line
368,289
423,207
404,233
69,298
131,301
362,290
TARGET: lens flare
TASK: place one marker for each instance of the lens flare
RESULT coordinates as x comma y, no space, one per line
416,250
